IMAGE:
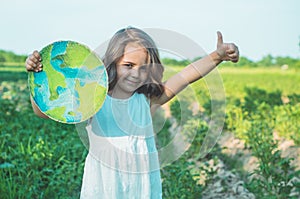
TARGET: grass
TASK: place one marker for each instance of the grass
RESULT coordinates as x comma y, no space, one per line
12,67
236,79
270,79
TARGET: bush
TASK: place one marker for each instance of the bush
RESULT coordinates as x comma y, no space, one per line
274,172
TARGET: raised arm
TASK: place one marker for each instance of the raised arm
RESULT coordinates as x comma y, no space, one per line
198,69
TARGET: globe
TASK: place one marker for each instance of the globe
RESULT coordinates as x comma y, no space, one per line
73,84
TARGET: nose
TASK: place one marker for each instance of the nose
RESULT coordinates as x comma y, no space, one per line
134,73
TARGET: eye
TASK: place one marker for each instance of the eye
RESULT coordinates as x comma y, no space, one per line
129,65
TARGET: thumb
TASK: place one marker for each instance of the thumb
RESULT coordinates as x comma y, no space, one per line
220,38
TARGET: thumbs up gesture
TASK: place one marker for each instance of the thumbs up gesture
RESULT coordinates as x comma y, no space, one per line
227,51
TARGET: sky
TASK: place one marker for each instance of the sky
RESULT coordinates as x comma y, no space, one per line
257,27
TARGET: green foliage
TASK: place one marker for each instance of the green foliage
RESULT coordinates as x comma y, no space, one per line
266,61
179,182
181,178
194,132
243,62
291,62
293,99
175,62
180,110
283,117
176,110
12,76
39,158
269,79
274,172
255,97
287,121
7,56
237,121
254,121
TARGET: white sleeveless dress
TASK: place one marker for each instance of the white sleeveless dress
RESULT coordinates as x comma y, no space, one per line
123,160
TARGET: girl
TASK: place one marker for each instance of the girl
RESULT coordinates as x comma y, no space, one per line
122,160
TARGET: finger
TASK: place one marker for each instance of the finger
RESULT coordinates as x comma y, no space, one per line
234,53
234,57
231,48
220,38
39,67
235,60
34,59
29,67
37,55
33,63
230,51
30,64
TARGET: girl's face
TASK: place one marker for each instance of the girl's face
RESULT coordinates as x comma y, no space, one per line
132,71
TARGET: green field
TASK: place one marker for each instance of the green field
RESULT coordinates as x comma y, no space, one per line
44,159
267,78
270,79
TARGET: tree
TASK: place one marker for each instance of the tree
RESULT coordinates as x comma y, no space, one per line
266,61
7,56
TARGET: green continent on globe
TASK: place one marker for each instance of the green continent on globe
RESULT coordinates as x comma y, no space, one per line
75,57
57,78
91,92
58,112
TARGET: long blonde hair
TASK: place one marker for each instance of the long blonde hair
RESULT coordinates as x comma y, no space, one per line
115,50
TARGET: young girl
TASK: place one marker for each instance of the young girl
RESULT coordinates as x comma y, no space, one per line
123,160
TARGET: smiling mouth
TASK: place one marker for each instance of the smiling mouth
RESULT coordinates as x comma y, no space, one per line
132,82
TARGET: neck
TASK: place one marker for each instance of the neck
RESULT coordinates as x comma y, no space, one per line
119,95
